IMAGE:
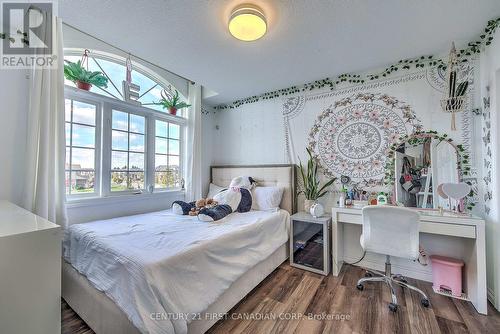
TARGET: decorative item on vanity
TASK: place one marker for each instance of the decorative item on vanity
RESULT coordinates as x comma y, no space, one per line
311,185
455,191
382,199
317,210
455,101
171,102
81,76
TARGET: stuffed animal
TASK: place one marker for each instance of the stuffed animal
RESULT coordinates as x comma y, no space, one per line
238,198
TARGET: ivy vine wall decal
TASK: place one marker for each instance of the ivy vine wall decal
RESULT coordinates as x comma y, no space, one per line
464,55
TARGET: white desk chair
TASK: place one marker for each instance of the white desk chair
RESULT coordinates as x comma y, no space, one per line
391,231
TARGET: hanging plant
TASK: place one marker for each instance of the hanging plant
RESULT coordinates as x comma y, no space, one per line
171,102
81,76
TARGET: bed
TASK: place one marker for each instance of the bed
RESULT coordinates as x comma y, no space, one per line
226,280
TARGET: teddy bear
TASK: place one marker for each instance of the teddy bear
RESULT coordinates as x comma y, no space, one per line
200,204
237,198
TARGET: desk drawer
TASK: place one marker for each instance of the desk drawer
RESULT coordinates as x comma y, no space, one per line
350,218
454,230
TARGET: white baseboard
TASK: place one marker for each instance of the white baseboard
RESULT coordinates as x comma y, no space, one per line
492,298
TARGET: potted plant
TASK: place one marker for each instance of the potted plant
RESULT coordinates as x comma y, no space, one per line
83,78
312,190
172,102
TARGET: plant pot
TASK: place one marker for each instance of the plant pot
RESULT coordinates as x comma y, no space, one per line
83,85
307,205
172,111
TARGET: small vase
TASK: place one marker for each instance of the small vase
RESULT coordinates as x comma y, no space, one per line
307,204
172,111
83,85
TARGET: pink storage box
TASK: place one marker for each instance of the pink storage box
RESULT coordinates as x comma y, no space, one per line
447,274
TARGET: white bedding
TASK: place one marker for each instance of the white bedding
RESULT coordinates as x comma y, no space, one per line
158,266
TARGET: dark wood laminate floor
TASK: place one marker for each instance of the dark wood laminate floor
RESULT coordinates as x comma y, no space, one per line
289,292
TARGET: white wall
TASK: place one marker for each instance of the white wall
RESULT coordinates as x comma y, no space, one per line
490,76
13,115
255,134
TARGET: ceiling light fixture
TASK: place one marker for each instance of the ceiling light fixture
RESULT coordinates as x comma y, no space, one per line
247,23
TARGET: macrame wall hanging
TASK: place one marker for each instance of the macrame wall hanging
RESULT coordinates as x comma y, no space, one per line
455,98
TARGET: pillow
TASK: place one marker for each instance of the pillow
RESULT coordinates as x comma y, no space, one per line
214,190
266,198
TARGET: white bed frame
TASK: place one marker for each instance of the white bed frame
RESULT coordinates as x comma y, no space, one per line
104,317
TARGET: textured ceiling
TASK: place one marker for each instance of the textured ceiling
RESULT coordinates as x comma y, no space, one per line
306,39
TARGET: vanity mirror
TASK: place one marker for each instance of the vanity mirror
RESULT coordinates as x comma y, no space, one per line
419,163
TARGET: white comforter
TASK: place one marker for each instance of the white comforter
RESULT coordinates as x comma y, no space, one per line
159,267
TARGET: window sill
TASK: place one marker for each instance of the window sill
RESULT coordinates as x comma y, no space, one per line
122,198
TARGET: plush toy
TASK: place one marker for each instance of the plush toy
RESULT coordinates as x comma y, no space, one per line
238,198
201,204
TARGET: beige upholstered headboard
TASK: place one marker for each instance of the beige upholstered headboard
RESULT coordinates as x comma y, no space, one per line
265,175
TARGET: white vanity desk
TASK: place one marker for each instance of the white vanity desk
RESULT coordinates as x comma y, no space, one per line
466,229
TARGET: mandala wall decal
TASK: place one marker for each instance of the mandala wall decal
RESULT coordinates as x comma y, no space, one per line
353,136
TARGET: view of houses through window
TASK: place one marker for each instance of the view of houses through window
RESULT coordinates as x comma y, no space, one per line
80,147
107,138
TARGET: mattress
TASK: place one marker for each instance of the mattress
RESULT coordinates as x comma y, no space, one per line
161,269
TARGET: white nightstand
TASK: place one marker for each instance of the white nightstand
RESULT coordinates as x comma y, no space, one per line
310,242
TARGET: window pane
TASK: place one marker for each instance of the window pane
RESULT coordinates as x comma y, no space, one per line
82,158
161,145
67,158
118,181
83,113
161,162
82,182
136,143
68,182
163,179
136,123
161,129
136,161
173,131
173,146
119,160
119,140
83,135
120,120
136,180
68,134
173,160
67,110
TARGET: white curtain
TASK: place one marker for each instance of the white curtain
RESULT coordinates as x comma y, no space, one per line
192,165
44,188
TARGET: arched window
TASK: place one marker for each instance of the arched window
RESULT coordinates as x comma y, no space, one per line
114,68
115,145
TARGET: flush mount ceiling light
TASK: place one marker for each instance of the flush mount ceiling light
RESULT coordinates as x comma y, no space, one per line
247,23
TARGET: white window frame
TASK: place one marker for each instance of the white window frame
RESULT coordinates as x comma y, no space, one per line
103,149
97,146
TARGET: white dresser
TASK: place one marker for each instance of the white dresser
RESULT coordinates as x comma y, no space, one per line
30,272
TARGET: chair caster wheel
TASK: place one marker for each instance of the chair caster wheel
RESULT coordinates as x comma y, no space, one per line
425,302
360,287
368,274
393,307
